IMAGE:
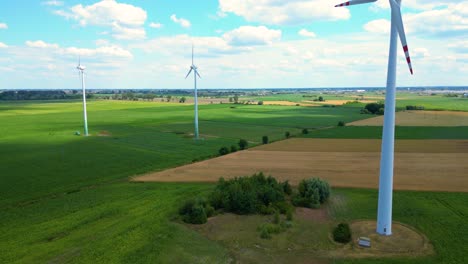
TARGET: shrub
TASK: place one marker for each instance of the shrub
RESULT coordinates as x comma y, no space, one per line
305,131
194,212
233,148
289,214
341,123
381,111
276,219
287,134
287,188
312,193
264,233
243,144
265,139
365,111
414,107
342,233
223,151
260,102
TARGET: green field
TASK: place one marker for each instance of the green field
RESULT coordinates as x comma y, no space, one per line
66,198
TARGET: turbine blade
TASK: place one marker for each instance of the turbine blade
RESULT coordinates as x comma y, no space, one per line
355,2
198,74
188,73
396,14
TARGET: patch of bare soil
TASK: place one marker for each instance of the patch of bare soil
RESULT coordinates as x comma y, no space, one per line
104,133
317,215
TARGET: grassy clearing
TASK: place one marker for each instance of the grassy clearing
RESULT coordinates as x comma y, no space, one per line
440,216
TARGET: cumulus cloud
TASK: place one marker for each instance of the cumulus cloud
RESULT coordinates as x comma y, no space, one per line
276,12
155,25
379,26
41,44
181,21
3,45
106,50
305,33
3,26
125,20
251,36
53,3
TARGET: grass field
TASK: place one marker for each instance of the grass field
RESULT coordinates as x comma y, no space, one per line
66,199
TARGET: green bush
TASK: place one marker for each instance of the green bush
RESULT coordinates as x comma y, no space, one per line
260,103
311,193
264,233
247,195
342,233
365,111
287,187
276,219
233,148
223,151
341,123
287,134
305,131
289,214
194,212
243,144
265,139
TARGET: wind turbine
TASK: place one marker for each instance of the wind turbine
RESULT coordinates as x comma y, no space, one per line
81,69
384,211
195,74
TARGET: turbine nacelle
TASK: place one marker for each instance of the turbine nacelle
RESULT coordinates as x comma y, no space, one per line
396,17
80,67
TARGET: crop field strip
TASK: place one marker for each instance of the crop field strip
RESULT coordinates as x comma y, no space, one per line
420,118
436,165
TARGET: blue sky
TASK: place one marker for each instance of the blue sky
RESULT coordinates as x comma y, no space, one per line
238,43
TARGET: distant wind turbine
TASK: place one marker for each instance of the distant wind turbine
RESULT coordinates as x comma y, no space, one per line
384,211
195,74
81,69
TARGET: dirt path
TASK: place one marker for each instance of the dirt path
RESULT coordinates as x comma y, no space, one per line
438,165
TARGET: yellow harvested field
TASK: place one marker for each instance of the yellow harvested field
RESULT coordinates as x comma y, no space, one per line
437,165
420,118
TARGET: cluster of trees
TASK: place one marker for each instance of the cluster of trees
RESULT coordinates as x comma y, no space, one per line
40,95
311,193
319,99
373,108
256,194
414,107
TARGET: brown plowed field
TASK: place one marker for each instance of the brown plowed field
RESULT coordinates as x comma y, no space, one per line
420,118
438,165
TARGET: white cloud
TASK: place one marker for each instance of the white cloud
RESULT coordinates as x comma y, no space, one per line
106,50
277,12
126,21
251,36
3,26
3,45
155,25
305,33
379,26
452,20
41,44
181,21
53,3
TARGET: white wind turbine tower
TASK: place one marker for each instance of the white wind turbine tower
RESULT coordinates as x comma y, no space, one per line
195,74
384,211
81,69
